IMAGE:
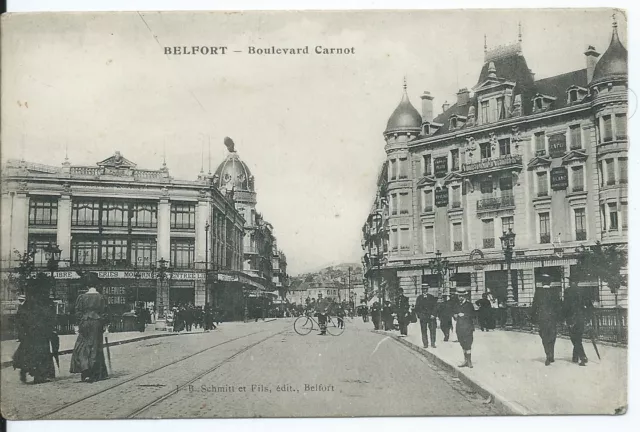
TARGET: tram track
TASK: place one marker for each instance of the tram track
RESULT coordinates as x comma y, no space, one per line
131,380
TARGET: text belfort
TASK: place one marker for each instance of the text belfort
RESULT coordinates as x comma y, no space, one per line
272,50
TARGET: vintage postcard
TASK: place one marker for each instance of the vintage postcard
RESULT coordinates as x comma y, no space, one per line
314,214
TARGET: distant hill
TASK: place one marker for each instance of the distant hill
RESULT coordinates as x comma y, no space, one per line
338,273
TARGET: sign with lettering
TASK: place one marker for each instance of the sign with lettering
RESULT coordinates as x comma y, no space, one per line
440,167
115,294
442,197
559,178
557,145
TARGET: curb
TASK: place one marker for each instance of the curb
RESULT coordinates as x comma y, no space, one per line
485,391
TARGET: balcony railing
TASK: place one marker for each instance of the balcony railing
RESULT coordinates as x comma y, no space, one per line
488,243
578,188
543,193
495,203
545,238
581,235
493,164
428,209
457,245
456,204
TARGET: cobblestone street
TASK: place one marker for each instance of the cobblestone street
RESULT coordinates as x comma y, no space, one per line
259,369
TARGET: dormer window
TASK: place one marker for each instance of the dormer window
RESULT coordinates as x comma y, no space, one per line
456,121
453,123
573,96
538,104
542,102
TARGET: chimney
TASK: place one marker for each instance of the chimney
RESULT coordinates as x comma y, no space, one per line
427,107
445,106
592,58
463,96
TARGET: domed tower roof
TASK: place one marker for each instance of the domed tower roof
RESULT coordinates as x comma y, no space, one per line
405,117
233,173
613,63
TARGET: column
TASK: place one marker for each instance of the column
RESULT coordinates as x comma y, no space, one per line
64,229
19,223
202,255
5,230
163,251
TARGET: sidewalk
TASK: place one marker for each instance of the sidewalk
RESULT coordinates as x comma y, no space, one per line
8,347
509,366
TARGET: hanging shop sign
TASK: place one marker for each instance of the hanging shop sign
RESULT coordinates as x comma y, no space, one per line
557,145
440,167
559,178
442,197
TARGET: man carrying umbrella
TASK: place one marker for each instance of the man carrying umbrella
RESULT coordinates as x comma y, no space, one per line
577,307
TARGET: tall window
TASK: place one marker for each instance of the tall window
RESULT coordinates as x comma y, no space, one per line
427,164
405,240
577,178
507,224
84,251
603,216
506,187
143,252
581,224
505,146
621,126
541,145
427,239
394,204
144,215
484,112
43,211
613,217
183,216
488,234
486,188
576,137
115,214
456,229
182,253
622,165
545,228
85,213
607,133
455,160
455,197
392,169
601,172
402,168
500,109
427,203
485,150
38,243
623,214
543,185
611,172
393,239
404,203
114,252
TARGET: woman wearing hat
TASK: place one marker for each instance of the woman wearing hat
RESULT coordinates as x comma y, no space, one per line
91,313
546,311
36,324
464,325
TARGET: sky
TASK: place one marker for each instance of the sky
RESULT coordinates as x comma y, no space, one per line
309,127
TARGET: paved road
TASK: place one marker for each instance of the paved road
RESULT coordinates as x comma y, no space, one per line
252,370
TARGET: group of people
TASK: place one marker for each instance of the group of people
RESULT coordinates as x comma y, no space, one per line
188,317
322,308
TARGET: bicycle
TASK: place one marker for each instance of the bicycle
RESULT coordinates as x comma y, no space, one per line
305,323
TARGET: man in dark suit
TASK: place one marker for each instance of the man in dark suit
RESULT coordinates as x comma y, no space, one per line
376,315
464,325
546,312
577,308
426,305
445,313
403,313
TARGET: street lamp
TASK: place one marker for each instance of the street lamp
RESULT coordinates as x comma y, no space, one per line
162,275
442,267
508,240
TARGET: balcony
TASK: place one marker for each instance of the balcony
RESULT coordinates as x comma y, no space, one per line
545,238
578,188
457,245
496,203
488,243
250,250
494,164
581,235
456,204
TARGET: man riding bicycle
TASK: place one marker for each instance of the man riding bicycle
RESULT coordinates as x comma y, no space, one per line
322,309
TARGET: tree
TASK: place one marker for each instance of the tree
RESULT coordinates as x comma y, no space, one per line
603,263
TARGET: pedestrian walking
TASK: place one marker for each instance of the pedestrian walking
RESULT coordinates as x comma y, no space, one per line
404,313
546,312
485,313
464,324
36,325
376,315
387,316
426,305
577,307
91,314
340,314
322,308
445,314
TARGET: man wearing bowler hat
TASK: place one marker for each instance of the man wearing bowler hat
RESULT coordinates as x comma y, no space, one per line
546,313
464,324
576,308
426,305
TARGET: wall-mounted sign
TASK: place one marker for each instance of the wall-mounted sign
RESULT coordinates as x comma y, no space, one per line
559,178
440,167
442,197
557,145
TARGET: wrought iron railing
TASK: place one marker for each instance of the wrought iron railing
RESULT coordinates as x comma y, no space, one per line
488,243
495,203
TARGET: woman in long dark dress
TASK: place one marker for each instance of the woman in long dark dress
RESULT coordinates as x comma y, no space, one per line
36,323
88,355
485,313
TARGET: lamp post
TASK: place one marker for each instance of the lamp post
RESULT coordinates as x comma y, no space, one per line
162,275
206,264
508,240
52,252
442,267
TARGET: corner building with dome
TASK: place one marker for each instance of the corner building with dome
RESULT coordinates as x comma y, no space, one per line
544,158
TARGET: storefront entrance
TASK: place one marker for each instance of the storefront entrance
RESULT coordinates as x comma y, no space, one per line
495,282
